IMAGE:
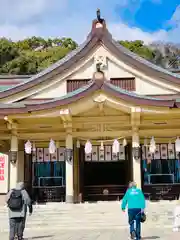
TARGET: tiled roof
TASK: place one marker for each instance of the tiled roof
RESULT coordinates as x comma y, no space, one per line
132,94
143,60
96,36
9,81
88,90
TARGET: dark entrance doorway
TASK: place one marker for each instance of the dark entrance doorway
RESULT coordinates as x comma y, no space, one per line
45,175
160,172
105,176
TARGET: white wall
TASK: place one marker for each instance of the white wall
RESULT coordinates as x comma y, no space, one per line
116,68
55,91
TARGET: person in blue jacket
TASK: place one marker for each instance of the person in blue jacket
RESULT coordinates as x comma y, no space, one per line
135,200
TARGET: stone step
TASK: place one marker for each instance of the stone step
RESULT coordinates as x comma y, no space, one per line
88,216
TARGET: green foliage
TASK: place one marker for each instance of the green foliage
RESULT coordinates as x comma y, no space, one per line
32,55
139,48
8,51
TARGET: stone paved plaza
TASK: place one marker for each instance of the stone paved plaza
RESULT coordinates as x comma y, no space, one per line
95,234
100,221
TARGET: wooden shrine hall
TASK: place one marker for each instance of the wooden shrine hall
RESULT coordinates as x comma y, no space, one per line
81,129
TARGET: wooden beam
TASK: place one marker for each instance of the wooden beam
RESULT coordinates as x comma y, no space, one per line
169,133
159,132
110,134
101,119
157,122
62,135
4,136
44,136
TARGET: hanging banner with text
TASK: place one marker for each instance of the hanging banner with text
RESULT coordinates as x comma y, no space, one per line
4,169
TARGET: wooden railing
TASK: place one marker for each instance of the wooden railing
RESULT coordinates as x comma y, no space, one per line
48,194
161,191
104,192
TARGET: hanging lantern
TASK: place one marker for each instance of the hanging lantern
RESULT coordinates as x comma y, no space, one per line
152,147
177,144
124,142
102,146
88,147
52,147
136,153
28,147
69,155
115,146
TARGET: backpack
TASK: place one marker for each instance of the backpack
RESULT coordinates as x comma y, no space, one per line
15,202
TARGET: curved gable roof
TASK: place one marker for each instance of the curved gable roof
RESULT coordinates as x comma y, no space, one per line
88,90
97,35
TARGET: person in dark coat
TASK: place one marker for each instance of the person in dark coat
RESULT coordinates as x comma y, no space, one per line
17,218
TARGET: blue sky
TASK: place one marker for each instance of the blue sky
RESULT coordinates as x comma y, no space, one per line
149,15
148,20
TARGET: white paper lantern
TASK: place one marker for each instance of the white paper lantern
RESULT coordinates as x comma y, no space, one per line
115,147
52,147
124,142
88,147
177,144
152,147
102,146
28,147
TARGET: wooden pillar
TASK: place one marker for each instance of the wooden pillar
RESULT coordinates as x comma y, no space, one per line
76,173
13,166
136,162
69,171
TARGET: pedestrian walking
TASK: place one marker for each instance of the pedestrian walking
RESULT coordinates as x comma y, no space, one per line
134,199
18,201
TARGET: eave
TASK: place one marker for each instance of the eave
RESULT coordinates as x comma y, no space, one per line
57,68
139,63
95,85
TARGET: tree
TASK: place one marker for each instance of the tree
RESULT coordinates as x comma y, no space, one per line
167,55
8,51
139,48
32,55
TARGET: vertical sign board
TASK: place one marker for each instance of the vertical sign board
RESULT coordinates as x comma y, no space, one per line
4,173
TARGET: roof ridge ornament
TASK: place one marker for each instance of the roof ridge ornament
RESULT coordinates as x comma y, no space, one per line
99,19
99,22
98,25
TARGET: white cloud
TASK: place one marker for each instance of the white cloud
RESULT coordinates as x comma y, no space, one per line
123,32
20,10
73,19
16,33
14,11
176,16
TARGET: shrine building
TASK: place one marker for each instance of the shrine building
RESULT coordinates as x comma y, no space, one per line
81,129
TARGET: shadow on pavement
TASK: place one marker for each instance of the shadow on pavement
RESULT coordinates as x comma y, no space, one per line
40,237
152,237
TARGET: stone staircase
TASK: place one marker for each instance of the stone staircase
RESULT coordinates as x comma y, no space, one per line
102,215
